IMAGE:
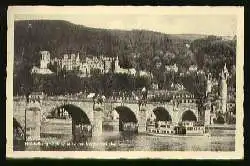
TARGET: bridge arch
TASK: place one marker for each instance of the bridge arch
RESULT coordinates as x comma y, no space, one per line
162,114
78,118
188,115
76,113
125,115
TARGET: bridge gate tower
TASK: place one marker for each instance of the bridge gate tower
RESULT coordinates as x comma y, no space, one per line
207,111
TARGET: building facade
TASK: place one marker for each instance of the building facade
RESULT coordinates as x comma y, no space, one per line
84,66
44,62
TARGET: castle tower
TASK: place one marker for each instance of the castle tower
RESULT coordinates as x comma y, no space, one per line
223,92
45,59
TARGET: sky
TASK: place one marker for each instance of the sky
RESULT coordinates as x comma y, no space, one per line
223,25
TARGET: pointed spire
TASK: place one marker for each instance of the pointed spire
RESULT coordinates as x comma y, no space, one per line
225,71
209,76
78,57
225,67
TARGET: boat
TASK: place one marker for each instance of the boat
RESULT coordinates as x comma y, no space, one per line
183,129
177,135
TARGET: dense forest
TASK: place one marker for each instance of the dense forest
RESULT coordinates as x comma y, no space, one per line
141,49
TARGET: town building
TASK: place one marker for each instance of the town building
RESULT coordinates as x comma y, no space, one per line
118,69
171,68
144,73
155,86
192,68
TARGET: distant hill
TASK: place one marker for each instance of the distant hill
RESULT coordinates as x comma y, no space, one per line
61,37
136,48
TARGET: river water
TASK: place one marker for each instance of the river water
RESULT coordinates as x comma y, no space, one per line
220,140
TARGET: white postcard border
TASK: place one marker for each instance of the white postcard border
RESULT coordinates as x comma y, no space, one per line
238,11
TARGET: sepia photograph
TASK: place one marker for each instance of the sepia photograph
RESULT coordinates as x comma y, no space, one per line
130,82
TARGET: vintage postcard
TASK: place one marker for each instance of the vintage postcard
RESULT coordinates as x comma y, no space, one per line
125,82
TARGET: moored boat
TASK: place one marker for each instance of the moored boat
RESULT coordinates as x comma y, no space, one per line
185,128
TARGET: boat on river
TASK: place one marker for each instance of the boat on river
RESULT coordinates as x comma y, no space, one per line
183,129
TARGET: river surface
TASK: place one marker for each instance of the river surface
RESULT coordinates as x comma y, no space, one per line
220,140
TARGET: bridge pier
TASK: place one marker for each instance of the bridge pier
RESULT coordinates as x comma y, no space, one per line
207,115
97,122
32,126
142,120
115,123
32,122
207,118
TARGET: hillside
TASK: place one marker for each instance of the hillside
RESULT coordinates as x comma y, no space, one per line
60,37
137,48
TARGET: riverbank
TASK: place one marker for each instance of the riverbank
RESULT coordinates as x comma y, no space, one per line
222,127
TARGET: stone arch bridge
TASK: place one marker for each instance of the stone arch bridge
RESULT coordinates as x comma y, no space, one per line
94,113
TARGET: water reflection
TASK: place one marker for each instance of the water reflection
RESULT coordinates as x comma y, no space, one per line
128,141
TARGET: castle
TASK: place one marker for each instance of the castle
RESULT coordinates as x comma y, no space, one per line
44,62
70,62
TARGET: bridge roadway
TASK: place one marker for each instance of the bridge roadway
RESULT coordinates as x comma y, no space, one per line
92,111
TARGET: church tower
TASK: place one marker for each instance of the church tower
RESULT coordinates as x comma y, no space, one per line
209,84
223,90
116,64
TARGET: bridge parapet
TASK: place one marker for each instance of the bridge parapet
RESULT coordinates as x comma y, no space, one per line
188,106
108,100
